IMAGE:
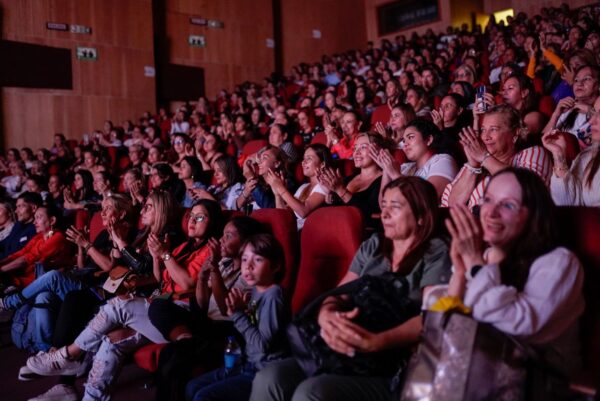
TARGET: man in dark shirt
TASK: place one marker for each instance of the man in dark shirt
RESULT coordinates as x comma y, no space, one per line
23,230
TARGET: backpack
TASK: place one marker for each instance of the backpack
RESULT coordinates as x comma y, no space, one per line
24,323
23,327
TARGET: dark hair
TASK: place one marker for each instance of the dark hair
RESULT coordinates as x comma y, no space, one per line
322,152
33,198
53,211
423,202
88,185
39,181
525,83
246,226
163,170
216,219
428,129
196,167
267,246
467,89
230,169
458,99
541,233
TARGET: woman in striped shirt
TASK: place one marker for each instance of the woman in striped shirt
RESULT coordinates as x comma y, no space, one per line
494,149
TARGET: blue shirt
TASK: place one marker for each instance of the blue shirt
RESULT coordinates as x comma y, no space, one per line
17,239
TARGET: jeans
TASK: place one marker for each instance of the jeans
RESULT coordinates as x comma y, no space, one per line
222,385
43,319
285,380
55,282
118,312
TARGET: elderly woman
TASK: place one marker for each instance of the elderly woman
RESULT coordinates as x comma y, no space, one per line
523,283
572,115
491,151
408,247
579,184
176,271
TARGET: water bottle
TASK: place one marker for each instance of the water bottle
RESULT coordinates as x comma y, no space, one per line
233,352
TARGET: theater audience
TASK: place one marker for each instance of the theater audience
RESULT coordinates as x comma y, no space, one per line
552,57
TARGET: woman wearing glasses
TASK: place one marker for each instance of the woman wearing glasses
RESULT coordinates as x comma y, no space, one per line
524,284
175,270
572,115
579,184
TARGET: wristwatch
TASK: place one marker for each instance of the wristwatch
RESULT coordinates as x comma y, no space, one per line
166,256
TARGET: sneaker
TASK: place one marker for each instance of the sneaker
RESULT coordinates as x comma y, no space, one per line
60,392
26,374
53,363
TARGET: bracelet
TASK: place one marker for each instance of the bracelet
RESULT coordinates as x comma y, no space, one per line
473,170
87,247
485,157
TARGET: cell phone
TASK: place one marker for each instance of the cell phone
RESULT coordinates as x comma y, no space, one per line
480,99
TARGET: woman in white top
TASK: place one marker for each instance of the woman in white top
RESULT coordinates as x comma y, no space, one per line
308,196
578,185
524,283
425,160
572,114
228,184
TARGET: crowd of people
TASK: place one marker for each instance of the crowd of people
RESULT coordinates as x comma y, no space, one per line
498,124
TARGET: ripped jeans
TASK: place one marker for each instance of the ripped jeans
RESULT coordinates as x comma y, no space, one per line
118,312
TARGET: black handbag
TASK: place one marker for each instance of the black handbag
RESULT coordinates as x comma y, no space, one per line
383,303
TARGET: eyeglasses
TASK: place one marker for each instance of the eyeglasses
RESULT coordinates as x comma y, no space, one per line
178,142
197,218
505,205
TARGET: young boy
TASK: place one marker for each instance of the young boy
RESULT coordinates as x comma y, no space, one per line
260,317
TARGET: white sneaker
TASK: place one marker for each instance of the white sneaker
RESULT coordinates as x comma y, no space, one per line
60,392
26,374
53,363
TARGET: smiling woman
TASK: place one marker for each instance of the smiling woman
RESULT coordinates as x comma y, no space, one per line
523,283
490,151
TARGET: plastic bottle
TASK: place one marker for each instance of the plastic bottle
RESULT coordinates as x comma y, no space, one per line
233,352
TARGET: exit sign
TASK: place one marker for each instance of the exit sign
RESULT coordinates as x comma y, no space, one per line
87,53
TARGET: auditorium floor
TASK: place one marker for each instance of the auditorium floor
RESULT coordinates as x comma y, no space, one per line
130,386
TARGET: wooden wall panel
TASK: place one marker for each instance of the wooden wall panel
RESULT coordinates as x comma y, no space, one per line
236,53
341,22
113,87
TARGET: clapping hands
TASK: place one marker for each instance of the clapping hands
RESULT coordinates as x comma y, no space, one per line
236,301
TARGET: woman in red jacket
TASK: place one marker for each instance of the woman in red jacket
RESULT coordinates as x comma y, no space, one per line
49,247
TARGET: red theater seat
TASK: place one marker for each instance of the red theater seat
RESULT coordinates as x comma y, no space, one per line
580,232
329,240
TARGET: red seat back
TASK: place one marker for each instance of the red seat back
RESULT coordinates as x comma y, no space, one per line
319,137
580,232
253,146
329,240
282,224
95,226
